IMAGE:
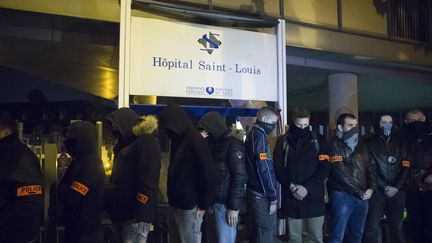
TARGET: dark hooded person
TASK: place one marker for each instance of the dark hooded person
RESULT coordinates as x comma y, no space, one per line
191,176
389,150
81,190
228,153
132,198
21,202
419,187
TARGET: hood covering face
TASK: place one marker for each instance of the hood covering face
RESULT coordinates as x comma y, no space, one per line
123,120
214,124
81,138
174,119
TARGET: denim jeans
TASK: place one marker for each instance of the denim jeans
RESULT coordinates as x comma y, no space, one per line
394,209
131,232
184,226
348,213
223,232
264,223
314,230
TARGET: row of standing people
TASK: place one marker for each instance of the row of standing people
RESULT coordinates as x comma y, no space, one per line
375,170
381,175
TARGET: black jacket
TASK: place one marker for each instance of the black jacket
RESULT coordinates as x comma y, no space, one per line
228,154
135,176
350,172
81,189
21,202
191,177
419,136
296,161
259,164
390,155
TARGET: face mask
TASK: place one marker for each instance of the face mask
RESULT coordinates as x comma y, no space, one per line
416,128
350,137
386,129
299,132
71,146
268,127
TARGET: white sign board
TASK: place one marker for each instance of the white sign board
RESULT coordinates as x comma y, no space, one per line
199,61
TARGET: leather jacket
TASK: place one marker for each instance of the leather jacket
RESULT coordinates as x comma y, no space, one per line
390,155
351,171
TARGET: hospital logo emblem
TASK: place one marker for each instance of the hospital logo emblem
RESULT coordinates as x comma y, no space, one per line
209,42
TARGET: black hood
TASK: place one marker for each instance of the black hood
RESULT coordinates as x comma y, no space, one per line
214,123
123,120
85,135
174,118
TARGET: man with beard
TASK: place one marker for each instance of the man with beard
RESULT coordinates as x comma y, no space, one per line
419,189
352,181
302,177
388,150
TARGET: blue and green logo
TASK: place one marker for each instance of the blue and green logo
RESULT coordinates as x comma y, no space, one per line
209,42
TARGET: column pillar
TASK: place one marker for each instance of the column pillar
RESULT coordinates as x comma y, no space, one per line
343,96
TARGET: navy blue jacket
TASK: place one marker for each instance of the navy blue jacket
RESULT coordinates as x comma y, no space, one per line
259,164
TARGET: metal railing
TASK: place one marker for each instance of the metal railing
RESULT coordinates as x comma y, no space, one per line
410,19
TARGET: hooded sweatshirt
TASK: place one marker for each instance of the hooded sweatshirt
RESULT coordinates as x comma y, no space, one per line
81,189
228,154
135,176
21,202
191,172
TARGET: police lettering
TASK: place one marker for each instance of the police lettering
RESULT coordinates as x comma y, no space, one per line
29,190
80,188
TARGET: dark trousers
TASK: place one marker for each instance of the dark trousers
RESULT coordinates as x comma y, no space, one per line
419,207
264,223
96,237
393,208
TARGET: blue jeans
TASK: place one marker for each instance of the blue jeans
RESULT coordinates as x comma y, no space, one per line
224,232
264,223
184,226
131,232
348,213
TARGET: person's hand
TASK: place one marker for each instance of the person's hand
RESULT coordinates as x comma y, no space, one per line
272,208
298,191
232,217
292,187
200,213
428,179
367,194
390,191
